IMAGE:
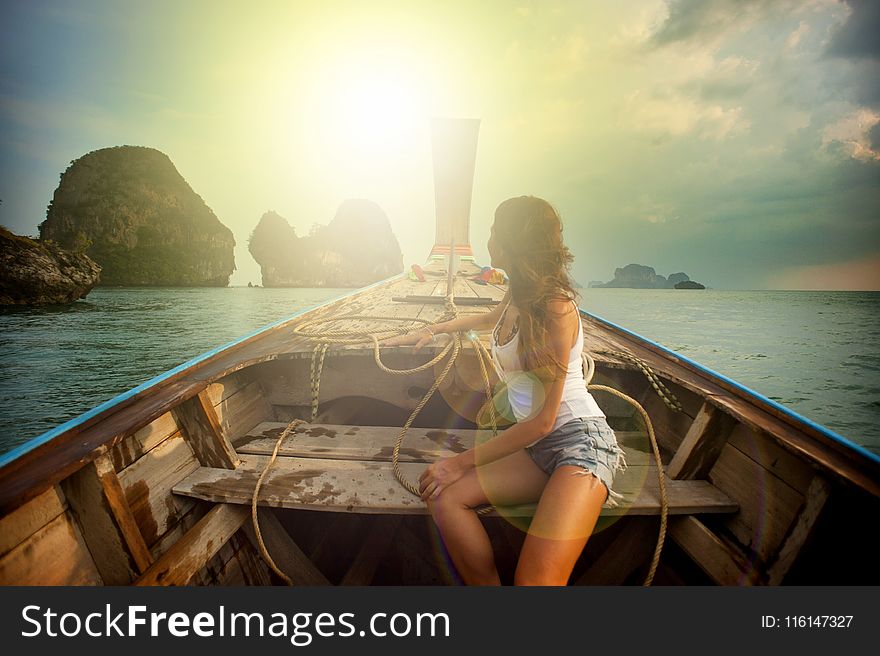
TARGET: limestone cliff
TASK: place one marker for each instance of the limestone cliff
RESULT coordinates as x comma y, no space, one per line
130,210
41,273
638,276
355,249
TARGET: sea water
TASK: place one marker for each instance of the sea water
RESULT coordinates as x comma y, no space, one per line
814,352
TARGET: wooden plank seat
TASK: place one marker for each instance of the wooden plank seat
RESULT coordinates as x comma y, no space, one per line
377,442
348,469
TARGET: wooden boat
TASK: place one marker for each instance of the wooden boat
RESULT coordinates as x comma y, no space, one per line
154,487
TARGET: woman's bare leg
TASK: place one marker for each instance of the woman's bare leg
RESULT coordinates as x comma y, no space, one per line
564,520
511,480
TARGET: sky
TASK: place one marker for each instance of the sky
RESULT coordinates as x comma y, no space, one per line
738,142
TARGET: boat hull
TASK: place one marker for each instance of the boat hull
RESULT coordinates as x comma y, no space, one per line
153,489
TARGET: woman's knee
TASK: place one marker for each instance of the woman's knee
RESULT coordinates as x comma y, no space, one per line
454,498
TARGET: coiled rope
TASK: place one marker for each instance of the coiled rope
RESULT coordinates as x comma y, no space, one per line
453,348
662,391
589,369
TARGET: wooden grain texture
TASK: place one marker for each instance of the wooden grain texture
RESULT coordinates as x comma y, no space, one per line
718,560
242,567
245,567
27,519
243,410
177,530
148,483
191,552
767,505
670,427
845,464
135,445
286,553
702,444
287,383
802,530
54,555
769,454
227,386
202,430
97,501
370,487
344,442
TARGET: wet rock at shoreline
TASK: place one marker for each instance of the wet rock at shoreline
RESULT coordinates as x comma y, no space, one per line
41,273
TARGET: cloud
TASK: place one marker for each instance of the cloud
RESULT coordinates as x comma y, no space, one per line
859,36
795,37
874,137
857,275
728,79
666,114
707,21
855,134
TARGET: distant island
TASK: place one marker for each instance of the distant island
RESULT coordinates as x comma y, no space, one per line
689,284
639,276
355,249
129,209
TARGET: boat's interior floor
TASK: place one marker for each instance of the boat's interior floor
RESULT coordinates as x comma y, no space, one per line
349,469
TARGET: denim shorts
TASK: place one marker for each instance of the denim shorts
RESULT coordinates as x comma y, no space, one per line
588,443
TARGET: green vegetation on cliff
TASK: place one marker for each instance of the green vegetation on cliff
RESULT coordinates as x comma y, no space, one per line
130,210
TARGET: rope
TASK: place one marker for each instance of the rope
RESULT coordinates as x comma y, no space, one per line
327,337
662,391
350,336
290,427
590,368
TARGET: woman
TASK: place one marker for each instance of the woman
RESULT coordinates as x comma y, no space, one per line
561,451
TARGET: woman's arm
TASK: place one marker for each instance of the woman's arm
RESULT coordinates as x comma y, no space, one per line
422,336
560,327
474,321
446,471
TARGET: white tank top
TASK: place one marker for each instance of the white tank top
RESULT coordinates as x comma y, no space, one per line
525,392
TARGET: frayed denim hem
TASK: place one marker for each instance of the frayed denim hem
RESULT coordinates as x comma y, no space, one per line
614,498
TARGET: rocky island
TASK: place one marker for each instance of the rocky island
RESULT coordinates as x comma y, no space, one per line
689,284
355,249
130,210
40,273
639,276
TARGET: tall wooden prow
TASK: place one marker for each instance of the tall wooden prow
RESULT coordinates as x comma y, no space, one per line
454,144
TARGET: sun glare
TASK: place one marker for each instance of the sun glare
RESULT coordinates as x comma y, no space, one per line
375,111
368,110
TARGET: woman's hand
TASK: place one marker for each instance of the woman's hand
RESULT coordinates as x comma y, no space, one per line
420,338
439,475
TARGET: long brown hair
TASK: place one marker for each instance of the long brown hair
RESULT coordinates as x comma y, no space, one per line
529,231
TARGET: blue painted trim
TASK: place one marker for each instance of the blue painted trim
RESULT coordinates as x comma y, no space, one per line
33,443
714,374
